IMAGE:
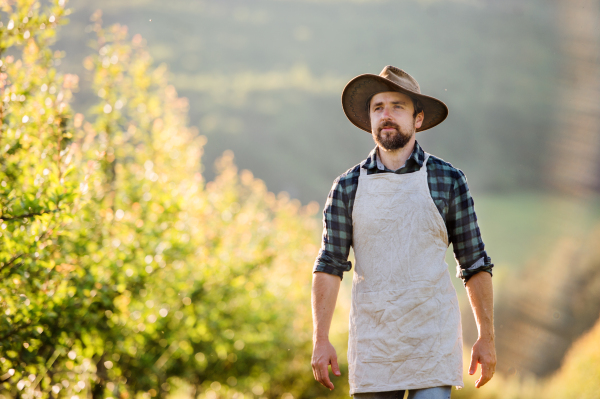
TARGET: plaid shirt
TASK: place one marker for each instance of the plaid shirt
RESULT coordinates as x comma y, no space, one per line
450,193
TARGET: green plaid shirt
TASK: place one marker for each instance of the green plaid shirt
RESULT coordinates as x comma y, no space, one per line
450,193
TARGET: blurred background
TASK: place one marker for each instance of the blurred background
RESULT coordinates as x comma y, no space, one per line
256,87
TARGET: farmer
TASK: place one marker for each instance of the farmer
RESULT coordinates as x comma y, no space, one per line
400,209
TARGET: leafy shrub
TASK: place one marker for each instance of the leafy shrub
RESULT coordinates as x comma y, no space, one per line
124,272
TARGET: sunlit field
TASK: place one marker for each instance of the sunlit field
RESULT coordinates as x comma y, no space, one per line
161,189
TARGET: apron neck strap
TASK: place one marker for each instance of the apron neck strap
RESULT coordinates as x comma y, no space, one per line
424,167
363,170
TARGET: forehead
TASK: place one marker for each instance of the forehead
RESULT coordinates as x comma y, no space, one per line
387,96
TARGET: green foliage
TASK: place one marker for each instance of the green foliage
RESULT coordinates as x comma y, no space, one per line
123,271
39,198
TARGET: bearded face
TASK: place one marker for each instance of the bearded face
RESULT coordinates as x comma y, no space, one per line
393,120
390,136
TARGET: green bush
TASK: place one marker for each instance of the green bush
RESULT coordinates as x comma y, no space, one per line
123,272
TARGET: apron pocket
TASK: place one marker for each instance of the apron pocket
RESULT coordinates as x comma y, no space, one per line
396,325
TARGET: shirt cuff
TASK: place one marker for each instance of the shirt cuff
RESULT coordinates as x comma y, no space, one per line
329,270
483,264
326,263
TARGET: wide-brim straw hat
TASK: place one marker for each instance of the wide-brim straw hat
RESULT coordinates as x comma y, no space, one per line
359,91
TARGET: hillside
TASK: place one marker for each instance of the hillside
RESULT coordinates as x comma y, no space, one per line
265,81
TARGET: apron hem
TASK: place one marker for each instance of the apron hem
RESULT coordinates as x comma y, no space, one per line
397,387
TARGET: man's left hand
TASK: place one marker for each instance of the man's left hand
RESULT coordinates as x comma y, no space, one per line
484,353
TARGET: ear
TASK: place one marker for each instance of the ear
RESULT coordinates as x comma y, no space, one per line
419,119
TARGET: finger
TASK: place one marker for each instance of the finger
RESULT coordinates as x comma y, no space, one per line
324,376
334,367
317,373
315,365
473,365
486,374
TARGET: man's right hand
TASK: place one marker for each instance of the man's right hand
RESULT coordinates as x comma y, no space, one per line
324,294
324,355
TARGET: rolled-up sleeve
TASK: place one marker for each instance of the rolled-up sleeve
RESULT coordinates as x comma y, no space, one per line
337,233
463,229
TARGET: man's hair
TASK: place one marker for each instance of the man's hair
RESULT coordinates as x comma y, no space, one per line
417,105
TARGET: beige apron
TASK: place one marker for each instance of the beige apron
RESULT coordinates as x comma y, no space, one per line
405,330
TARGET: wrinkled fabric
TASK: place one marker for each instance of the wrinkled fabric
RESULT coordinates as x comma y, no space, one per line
405,330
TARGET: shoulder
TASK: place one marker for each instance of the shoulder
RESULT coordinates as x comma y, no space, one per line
349,176
346,183
438,168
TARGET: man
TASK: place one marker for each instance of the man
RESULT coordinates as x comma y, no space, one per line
400,209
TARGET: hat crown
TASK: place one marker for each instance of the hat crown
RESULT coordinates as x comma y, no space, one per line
401,78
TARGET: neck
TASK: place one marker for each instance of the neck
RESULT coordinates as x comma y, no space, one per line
394,159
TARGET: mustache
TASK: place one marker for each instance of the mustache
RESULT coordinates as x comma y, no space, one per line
389,124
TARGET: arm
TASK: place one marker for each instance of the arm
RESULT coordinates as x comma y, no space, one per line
475,268
324,295
481,296
330,265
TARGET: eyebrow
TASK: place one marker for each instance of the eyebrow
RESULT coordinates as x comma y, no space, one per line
393,103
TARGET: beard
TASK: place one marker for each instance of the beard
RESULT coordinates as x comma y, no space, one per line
393,141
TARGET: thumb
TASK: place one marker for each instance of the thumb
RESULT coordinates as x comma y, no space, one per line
473,365
334,366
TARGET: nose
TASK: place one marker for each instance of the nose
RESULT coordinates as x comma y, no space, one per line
386,114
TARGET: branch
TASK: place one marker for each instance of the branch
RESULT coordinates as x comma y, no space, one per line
27,215
15,330
19,256
45,369
10,262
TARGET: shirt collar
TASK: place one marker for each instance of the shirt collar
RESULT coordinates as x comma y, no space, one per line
417,156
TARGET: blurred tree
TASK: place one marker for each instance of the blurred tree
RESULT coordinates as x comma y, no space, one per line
573,161
125,272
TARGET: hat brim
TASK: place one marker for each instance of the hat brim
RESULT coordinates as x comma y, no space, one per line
360,90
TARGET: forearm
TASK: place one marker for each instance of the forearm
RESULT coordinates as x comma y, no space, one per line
325,290
481,296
